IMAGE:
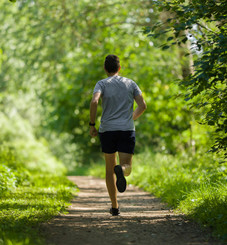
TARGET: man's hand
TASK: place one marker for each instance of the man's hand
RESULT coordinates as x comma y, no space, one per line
93,131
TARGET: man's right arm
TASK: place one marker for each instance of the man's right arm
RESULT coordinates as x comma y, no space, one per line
93,111
141,106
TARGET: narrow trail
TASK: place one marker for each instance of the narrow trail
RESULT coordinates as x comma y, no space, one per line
144,220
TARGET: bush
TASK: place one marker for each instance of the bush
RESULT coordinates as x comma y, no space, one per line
20,146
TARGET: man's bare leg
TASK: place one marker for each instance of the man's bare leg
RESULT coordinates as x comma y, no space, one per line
111,161
125,162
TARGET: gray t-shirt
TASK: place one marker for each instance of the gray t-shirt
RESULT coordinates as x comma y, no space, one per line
117,95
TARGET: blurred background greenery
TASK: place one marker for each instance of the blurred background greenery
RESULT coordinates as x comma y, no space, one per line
51,56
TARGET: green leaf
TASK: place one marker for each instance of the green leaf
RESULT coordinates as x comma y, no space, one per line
211,123
187,99
165,47
170,38
184,40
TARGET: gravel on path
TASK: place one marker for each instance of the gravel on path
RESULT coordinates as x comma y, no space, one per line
144,220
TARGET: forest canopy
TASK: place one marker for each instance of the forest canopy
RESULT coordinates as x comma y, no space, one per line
52,55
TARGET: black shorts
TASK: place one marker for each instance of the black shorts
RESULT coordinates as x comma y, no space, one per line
121,141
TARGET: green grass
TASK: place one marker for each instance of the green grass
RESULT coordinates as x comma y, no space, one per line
208,205
194,185
23,208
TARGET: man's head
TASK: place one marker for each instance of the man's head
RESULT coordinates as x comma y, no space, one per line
112,64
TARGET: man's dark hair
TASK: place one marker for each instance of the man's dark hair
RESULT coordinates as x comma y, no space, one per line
112,63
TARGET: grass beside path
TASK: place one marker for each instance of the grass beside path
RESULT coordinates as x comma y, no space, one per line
23,208
33,186
194,185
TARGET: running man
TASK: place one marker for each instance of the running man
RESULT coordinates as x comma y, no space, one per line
117,130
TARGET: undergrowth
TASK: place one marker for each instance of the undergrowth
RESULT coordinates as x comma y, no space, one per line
195,185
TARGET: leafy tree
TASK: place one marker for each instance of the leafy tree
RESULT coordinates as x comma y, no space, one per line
203,23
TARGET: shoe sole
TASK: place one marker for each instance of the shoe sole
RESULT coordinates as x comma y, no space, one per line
115,213
121,181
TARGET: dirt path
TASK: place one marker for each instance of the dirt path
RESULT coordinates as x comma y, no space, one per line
144,220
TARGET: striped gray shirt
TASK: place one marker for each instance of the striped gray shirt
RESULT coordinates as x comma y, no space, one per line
117,95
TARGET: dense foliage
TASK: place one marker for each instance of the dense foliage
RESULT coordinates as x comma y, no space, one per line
204,23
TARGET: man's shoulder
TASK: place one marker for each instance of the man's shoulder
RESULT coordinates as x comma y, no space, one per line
128,80
103,80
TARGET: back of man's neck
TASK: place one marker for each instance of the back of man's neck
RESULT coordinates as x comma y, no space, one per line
112,74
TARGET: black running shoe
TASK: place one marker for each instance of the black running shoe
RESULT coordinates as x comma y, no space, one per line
121,181
115,211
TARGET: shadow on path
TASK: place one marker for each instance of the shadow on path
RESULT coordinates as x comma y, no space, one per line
144,220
